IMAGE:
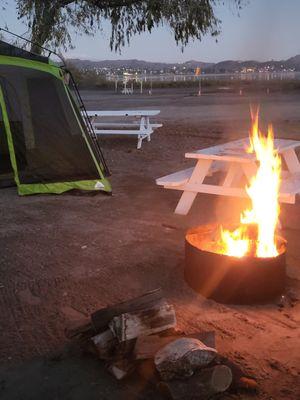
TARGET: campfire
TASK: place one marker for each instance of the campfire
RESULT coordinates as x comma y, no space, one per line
244,262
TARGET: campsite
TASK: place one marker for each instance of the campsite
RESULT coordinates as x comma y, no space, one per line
76,268
149,234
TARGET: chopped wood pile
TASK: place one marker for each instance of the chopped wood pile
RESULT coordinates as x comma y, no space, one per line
140,335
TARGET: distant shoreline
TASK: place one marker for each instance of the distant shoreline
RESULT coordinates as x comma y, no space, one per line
227,66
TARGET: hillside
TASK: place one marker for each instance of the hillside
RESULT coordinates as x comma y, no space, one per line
226,66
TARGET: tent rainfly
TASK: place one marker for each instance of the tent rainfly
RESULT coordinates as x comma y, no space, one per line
45,145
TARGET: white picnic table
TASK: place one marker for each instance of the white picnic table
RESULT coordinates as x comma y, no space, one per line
233,159
137,123
127,90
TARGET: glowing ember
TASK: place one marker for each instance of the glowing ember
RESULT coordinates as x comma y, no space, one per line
256,234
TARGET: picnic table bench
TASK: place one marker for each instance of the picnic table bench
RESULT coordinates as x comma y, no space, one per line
232,159
137,123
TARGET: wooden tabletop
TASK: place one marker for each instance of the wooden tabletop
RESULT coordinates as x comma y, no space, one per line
236,150
123,113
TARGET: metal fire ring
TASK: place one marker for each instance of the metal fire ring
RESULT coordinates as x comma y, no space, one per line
233,280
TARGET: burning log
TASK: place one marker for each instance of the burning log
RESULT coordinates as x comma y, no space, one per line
182,357
147,346
202,385
159,317
251,231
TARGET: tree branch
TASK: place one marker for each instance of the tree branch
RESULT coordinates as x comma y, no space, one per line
50,21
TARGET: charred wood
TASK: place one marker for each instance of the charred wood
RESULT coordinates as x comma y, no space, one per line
101,318
130,325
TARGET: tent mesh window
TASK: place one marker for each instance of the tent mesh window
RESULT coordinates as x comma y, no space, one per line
6,171
48,140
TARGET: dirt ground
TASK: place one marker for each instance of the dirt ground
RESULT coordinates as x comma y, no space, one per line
65,256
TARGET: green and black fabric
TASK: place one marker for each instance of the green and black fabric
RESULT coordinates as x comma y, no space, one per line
45,146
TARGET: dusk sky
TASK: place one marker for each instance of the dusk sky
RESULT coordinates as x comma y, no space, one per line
265,29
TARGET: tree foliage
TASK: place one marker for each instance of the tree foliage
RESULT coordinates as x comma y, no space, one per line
51,21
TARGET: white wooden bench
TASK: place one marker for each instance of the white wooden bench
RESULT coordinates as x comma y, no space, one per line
139,124
176,179
181,177
236,163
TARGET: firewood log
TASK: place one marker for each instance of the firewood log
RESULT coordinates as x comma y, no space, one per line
206,337
79,329
145,322
101,318
182,357
240,379
201,386
107,347
105,344
147,346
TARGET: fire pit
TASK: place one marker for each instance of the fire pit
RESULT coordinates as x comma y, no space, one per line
244,263
228,279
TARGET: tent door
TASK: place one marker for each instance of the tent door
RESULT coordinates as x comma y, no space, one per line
6,170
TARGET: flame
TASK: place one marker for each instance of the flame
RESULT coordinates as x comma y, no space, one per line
256,233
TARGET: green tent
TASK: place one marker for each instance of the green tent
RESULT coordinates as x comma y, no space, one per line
45,144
